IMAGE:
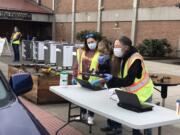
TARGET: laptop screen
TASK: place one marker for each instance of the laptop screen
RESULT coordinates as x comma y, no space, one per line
128,98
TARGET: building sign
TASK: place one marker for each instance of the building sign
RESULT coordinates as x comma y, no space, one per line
15,15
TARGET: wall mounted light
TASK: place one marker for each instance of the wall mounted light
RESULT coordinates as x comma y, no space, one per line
116,24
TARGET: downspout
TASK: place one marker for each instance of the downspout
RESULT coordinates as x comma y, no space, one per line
134,21
38,2
73,21
54,20
99,18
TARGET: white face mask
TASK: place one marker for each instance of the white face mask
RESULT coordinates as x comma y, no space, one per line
118,52
92,46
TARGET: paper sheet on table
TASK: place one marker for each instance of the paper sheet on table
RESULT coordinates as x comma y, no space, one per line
113,94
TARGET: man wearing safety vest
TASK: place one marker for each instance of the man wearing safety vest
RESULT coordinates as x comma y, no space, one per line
132,75
87,62
16,41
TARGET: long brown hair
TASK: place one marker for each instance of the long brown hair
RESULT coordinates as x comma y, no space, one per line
105,46
115,66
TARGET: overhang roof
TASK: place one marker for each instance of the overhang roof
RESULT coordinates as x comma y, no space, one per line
23,6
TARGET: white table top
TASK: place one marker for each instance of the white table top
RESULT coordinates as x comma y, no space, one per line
99,102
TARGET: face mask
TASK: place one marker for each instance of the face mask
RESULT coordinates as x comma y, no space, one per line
118,52
92,46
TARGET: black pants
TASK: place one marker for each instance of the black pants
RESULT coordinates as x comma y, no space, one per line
16,52
84,111
113,124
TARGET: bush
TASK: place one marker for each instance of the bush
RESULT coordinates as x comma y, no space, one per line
155,48
82,34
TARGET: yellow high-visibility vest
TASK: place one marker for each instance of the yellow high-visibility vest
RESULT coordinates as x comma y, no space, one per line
17,42
142,87
94,63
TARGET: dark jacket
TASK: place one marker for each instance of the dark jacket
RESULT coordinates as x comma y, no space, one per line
135,71
105,68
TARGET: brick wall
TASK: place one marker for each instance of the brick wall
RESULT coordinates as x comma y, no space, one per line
157,3
110,31
47,3
117,4
146,29
63,31
159,29
86,5
64,6
85,26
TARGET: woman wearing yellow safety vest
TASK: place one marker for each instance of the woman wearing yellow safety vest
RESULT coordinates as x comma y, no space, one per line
132,75
87,62
15,41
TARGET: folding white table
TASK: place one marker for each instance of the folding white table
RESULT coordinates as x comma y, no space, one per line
100,103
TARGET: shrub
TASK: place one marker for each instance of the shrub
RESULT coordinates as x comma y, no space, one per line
155,47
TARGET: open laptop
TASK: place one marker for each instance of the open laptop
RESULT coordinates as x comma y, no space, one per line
86,84
131,102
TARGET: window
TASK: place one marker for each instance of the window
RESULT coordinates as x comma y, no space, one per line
5,96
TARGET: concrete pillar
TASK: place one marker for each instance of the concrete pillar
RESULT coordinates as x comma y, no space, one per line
99,18
178,49
73,21
53,5
54,20
134,21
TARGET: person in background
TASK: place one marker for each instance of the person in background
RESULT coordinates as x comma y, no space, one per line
16,41
132,75
105,50
87,62
104,61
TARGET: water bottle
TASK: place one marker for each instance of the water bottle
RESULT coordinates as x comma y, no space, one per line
178,107
63,78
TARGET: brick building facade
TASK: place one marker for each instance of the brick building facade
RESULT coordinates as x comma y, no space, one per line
156,19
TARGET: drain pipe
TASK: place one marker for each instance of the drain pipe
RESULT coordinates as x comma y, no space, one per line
134,21
38,2
99,16
54,20
73,21
53,5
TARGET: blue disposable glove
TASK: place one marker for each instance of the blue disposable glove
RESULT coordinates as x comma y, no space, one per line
107,77
74,81
102,59
95,83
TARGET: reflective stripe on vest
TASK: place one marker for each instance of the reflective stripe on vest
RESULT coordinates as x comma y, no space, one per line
142,87
17,42
93,65
137,86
